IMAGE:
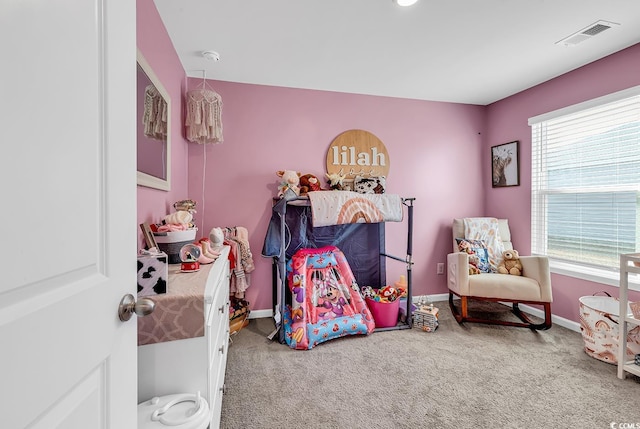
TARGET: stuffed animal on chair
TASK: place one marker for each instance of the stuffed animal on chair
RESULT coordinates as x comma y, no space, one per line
474,261
464,246
510,263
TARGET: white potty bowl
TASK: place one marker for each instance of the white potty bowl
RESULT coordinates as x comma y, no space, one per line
179,411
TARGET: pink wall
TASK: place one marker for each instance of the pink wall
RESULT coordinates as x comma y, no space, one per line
508,120
439,153
155,45
433,147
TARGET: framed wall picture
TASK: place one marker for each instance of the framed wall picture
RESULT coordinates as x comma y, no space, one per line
505,164
148,236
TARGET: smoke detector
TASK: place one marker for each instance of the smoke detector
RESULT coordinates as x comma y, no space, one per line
211,55
586,33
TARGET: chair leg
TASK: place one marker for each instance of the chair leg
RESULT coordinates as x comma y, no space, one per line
462,315
538,326
464,307
456,314
547,315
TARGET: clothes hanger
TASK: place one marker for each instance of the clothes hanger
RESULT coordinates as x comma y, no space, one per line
204,85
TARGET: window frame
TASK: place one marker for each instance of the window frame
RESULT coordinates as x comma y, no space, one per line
602,275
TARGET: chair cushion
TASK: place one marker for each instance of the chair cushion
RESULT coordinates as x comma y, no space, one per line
504,286
478,254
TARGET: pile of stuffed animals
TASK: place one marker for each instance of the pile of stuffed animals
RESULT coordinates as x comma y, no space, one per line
385,294
301,184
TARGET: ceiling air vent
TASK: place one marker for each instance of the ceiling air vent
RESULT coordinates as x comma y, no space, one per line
586,33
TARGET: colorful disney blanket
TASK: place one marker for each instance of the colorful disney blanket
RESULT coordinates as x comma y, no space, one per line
325,302
343,207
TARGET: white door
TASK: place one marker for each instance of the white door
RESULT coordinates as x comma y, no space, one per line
67,223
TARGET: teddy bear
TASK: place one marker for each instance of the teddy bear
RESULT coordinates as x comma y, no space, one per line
308,183
290,180
510,263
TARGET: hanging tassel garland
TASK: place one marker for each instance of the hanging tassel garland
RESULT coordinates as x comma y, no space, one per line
154,119
204,116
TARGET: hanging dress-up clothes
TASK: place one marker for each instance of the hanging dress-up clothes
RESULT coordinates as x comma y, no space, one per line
242,265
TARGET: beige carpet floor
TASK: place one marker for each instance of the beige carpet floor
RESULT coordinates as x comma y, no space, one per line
460,376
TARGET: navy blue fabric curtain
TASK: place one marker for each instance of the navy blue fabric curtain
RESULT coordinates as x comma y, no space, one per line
361,243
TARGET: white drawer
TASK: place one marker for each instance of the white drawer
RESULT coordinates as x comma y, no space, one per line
218,370
218,347
193,364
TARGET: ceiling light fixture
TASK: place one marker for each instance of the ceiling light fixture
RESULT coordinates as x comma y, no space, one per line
211,55
405,3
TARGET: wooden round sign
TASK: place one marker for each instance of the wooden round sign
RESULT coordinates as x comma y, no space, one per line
357,153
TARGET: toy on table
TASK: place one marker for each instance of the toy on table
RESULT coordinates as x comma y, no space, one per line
189,254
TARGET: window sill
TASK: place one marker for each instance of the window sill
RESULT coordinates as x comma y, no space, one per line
611,278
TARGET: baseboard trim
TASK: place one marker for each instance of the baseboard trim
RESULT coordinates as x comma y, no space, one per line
430,298
561,321
259,314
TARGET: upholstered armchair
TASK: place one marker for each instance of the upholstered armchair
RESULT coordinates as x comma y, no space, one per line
533,287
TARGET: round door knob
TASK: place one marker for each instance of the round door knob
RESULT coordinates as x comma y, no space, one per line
129,305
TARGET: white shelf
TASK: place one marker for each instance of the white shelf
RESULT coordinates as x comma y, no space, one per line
632,320
626,266
631,367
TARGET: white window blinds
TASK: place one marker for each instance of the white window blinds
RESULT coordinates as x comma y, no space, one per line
586,181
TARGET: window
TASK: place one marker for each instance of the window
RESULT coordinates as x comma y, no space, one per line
585,185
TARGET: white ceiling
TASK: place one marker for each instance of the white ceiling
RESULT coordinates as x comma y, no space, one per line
464,51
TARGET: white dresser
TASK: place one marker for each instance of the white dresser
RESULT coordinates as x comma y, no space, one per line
193,364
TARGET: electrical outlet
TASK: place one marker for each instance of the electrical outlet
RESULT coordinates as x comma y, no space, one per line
440,268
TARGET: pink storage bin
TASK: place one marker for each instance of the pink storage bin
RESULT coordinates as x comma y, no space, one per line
385,314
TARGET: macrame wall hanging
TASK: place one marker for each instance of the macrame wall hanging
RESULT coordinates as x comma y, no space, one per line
204,115
203,124
154,118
